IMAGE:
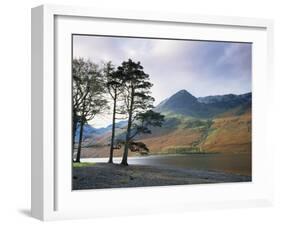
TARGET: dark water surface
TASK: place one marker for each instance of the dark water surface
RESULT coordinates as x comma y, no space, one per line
238,163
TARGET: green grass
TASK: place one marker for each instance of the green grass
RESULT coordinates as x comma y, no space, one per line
83,164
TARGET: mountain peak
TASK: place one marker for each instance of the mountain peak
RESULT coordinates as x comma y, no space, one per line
183,92
184,95
181,102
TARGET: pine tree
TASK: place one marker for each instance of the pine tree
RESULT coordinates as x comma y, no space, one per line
137,99
114,83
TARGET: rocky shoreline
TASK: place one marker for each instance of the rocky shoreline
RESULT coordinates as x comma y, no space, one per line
104,175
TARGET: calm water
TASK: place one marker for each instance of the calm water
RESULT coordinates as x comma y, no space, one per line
239,163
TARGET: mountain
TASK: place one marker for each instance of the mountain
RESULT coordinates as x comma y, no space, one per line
184,103
93,134
228,98
219,123
229,101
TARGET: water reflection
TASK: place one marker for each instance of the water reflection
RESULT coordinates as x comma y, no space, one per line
239,163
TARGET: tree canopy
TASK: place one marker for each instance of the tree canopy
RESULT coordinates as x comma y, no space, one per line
126,89
138,101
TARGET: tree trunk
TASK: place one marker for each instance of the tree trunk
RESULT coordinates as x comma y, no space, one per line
74,127
113,131
126,148
80,142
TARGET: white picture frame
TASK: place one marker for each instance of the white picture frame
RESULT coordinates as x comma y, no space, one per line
51,197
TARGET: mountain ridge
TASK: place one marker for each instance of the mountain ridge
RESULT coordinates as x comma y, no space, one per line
185,103
211,101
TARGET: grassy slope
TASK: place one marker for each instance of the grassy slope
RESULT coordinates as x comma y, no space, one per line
181,138
230,132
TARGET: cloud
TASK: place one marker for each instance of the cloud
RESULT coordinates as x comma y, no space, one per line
201,67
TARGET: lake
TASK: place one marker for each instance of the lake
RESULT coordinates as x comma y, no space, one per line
239,163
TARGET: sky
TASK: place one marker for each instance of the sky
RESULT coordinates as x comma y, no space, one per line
202,68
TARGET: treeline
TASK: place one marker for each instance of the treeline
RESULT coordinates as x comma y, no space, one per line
124,91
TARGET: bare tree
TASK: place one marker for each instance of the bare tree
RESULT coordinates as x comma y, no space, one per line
88,96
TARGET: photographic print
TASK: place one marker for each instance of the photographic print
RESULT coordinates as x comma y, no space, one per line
159,112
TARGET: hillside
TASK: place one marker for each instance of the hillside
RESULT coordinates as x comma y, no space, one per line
219,123
225,134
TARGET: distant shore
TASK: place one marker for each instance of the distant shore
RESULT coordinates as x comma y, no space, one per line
104,175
